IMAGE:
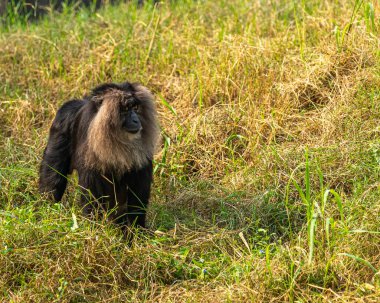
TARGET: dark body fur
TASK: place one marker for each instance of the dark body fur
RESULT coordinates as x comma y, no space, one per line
122,185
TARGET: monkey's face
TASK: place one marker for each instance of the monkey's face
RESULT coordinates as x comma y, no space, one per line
129,115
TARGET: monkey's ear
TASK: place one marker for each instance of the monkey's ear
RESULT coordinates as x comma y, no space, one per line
142,93
98,93
97,99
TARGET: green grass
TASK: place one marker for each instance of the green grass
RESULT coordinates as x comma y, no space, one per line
266,184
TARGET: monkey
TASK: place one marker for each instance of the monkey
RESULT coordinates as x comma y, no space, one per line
109,138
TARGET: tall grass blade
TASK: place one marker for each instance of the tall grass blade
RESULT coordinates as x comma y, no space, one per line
360,260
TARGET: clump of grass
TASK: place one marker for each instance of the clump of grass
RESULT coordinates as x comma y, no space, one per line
267,179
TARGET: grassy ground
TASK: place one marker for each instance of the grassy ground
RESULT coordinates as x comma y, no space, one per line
267,178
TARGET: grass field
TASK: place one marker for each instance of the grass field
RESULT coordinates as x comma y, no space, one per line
267,179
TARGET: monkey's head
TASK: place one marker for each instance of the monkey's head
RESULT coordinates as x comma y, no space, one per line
124,132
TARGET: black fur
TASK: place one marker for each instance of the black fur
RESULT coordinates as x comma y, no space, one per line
128,193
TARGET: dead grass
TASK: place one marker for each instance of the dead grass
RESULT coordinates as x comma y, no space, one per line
243,89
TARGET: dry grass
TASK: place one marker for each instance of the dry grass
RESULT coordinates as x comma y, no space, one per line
264,107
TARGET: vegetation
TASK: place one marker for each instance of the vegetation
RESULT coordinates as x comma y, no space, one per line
267,178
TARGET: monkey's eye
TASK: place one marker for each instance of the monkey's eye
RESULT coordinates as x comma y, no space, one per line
135,107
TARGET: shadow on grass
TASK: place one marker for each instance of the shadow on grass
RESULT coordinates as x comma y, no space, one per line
234,211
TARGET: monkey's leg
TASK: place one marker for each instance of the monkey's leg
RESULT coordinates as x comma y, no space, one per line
94,191
55,165
138,195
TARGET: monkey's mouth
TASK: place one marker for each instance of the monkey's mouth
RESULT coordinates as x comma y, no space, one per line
134,130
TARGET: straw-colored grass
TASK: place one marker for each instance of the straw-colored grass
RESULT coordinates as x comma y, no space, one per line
266,185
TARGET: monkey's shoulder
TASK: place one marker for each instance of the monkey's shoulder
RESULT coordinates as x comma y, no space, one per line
66,115
71,106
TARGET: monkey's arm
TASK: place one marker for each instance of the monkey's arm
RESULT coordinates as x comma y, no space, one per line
57,156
